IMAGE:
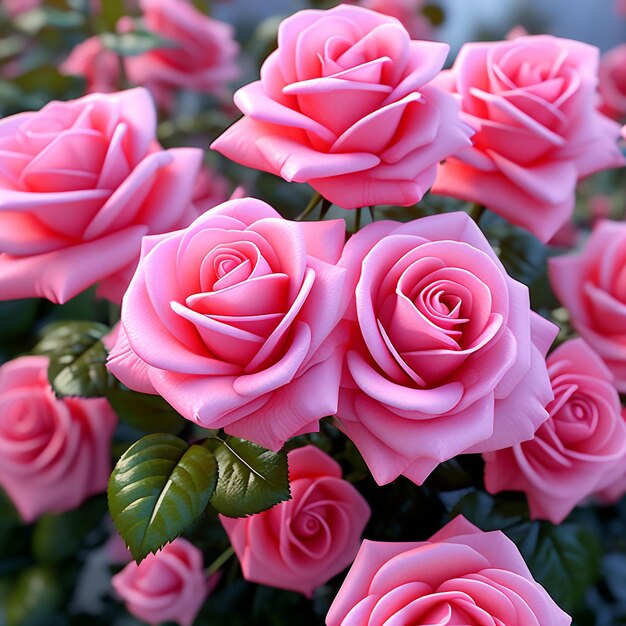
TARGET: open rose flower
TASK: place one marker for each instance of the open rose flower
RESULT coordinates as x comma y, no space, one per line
302,543
461,575
445,354
55,452
200,56
613,83
81,182
99,66
344,104
234,322
578,448
592,286
169,585
533,100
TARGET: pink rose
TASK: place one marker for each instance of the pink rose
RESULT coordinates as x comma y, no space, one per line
592,286
202,56
167,586
581,444
211,189
614,487
445,355
97,64
302,543
533,100
234,322
408,12
344,105
461,575
613,83
55,453
81,182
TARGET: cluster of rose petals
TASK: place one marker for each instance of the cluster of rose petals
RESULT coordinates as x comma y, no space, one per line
445,355
408,12
533,101
461,575
97,64
302,543
234,321
592,286
612,85
169,585
55,452
344,104
579,448
200,56
81,182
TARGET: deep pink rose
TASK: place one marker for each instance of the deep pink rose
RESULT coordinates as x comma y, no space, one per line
408,12
55,452
234,321
461,575
97,64
302,543
445,355
202,56
533,100
577,449
614,487
344,104
592,286
167,586
81,182
613,83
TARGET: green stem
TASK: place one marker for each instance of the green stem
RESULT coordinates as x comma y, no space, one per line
357,220
315,200
371,210
476,211
219,561
326,204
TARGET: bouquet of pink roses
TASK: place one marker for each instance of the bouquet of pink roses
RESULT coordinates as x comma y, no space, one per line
363,361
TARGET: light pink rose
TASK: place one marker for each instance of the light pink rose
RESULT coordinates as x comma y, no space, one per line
55,452
461,575
577,449
592,286
167,586
614,487
533,100
302,543
234,321
344,104
613,83
407,12
97,64
81,182
202,56
445,355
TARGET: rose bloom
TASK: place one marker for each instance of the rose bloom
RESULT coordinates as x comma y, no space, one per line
533,100
97,64
344,104
578,448
592,286
234,321
81,182
55,452
202,56
302,543
613,83
445,355
613,487
461,575
169,585
408,12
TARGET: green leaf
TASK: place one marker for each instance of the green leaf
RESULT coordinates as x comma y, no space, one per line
565,559
251,478
135,42
145,412
158,488
77,359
